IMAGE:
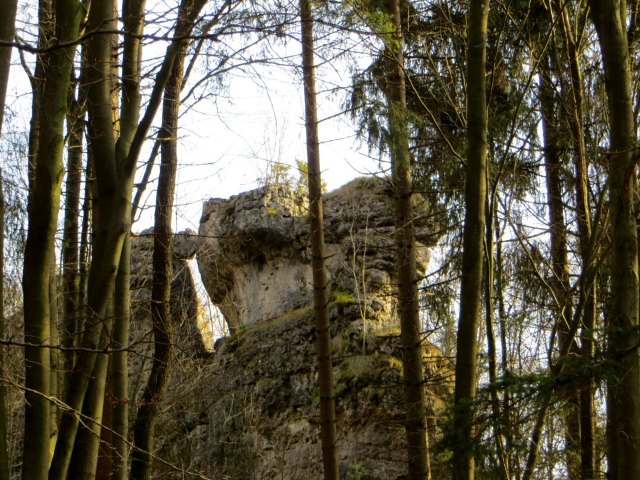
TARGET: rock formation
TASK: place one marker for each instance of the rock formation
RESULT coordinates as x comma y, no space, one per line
255,253
251,410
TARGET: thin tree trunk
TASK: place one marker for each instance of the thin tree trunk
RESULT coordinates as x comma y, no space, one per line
162,264
84,459
5,461
587,278
43,215
7,26
498,419
85,252
323,339
70,242
472,261
96,77
559,259
133,20
587,408
119,369
512,455
144,181
415,405
54,338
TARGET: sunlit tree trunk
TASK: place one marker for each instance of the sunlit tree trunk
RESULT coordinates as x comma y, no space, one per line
133,16
323,340
415,404
463,463
105,252
114,166
623,413
44,204
84,459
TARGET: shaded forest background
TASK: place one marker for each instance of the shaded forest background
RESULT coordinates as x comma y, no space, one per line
516,120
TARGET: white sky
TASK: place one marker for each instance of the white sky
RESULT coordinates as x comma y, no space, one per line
224,150
227,142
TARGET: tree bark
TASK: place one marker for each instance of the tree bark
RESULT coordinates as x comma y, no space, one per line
463,464
7,27
114,170
84,459
623,414
105,252
43,209
70,242
415,405
162,256
560,284
323,335
498,415
576,126
133,21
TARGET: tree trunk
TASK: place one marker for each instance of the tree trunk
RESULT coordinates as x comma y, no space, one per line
114,165
511,453
84,459
415,405
97,82
119,366
7,26
560,284
587,408
623,414
162,259
498,417
133,21
472,261
323,339
70,242
44,204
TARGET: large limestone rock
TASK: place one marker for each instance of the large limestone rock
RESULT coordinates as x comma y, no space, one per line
250,411
255,254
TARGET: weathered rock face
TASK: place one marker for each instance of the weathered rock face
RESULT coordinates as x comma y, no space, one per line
255,254
251,410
